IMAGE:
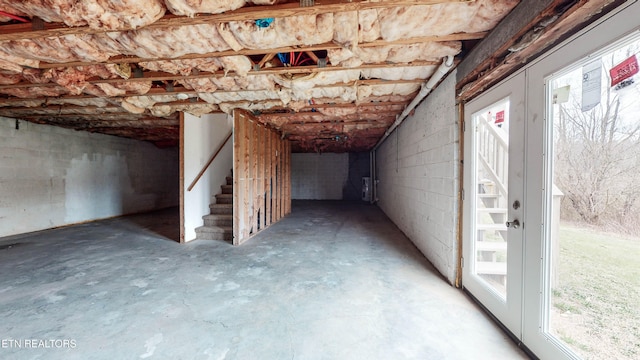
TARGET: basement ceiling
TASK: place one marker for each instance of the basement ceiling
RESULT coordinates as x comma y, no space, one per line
331,76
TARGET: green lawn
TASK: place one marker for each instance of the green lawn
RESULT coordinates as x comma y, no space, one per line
597,299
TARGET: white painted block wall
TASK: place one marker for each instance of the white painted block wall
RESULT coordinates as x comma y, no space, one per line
318,176
418,171
202,137
50,177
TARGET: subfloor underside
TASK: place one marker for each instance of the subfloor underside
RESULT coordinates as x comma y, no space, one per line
333,280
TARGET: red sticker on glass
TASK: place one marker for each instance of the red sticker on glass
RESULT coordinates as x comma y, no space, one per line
624,70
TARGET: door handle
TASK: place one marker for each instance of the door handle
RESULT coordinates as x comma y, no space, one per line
513,224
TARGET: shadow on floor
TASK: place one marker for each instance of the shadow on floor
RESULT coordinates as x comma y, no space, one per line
165,223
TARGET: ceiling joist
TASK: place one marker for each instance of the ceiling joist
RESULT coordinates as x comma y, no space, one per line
27,31
286,49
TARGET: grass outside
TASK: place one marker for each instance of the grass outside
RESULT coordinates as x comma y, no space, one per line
596,302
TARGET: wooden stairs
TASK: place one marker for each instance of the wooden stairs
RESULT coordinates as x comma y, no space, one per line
218,225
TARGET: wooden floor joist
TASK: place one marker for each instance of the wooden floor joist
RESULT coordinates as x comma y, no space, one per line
26,30
269,53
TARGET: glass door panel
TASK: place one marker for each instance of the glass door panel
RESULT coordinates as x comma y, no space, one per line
493,184
593,209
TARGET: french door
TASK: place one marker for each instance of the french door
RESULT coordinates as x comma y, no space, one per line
554,260
494,188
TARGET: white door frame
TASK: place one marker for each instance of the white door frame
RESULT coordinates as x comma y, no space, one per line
592,41
507,312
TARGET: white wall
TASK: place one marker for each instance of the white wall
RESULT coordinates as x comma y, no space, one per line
318,176
202,137
418,171
50,177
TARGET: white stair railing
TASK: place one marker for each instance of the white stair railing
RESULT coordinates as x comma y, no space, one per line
493,154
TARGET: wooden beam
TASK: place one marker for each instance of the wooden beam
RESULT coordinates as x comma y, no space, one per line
503,62
238,137
286,49
288,152
255,160
272,163
181,179
266,58
264,133
183,90
268,150
25,31
161,76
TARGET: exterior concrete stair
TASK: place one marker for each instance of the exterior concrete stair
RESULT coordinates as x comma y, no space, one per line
218,225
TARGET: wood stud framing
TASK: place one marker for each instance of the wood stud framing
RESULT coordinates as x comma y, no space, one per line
261,177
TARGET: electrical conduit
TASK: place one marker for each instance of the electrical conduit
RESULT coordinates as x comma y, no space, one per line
443,69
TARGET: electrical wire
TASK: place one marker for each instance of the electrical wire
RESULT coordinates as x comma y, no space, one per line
14,17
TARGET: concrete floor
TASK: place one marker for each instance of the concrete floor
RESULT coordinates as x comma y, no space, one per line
331,281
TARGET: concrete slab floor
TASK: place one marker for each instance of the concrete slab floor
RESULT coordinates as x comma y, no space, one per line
330,281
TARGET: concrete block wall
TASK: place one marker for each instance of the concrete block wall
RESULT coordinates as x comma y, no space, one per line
417,166
318,176
50,177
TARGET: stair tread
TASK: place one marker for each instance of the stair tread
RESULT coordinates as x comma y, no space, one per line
218,216
491,245
221,205
205,228
224,195
491,268
493,210
491,226
488,195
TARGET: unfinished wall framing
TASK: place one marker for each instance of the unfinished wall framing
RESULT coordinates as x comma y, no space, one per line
261,177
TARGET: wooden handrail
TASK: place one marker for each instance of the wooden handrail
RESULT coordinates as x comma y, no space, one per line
209,162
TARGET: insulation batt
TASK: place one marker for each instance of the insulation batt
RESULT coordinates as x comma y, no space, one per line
151,100
12,63
239,64
442,19
23,103
97,14
400,73
231,83
193,109
54,110
9,79
75,79
344,93
381,90
222,97
289,31
254,82
302,83
164,43
228,108
35,91
368,25
58,49
394,53
338,111
97,102
182,67
384,98
193,7
122,88
345,29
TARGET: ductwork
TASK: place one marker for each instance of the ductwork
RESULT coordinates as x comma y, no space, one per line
443,69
